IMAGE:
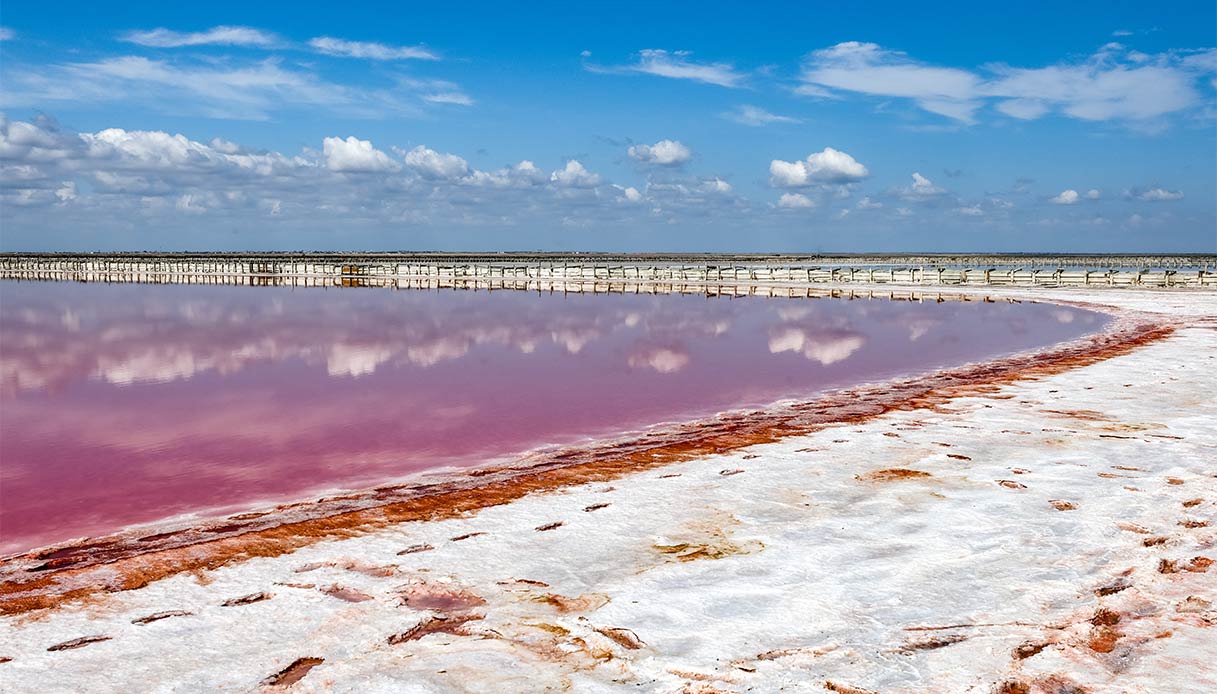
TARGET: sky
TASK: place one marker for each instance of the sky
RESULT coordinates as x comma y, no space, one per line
808,127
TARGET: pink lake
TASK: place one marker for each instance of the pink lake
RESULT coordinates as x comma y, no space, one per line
123,404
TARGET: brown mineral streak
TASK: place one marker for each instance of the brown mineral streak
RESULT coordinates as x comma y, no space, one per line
48,578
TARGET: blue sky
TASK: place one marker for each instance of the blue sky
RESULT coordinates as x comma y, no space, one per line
889,126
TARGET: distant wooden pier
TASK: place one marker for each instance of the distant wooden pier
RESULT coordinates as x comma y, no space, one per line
355,269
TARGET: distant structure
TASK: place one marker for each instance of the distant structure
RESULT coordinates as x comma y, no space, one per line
338,269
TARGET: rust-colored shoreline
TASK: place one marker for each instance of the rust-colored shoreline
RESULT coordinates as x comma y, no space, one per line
51,577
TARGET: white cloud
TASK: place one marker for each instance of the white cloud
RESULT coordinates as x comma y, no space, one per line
826,347
678,65
970,210
522,175
665,360
1066,197
1112,84
216,36
827,166
662,153
756,116
235,88
1023,109
868,204
922,188
434,165
1093,194
151,180
369,50
458,98
66,191
7,34
870,69
353,155
1155,194
629,194
795,201
573,175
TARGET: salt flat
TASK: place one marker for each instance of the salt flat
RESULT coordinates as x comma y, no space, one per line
1047,535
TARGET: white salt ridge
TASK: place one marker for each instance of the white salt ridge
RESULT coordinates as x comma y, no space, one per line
796,572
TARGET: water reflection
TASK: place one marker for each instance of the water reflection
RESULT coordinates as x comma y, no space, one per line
129,403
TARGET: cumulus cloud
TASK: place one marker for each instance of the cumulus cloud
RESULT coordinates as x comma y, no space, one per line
756,116
826,347
922,188
662,153
629,194
353,155
795,201
716,185
216,36
827,166
135,176
369,50
434,165
1113,84
1155,194
573,175
7,34
1093,194
664,360
1066,197
677,65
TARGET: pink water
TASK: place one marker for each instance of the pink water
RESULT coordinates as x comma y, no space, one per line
124,404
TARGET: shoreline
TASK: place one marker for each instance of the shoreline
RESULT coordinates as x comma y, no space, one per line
285,527
1044,529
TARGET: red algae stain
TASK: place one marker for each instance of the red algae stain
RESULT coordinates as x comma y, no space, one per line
28,583
443,624
583,603
345,593
247,599
161,615
78,643
292,673
438,597
844,688
625,638
1027,650
1198,564
892,474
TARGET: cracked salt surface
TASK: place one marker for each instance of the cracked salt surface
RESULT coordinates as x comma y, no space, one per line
804,571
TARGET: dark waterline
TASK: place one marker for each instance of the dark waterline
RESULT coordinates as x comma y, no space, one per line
124,404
